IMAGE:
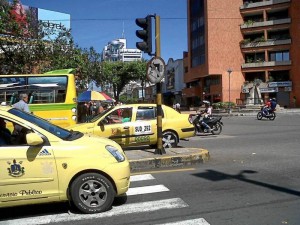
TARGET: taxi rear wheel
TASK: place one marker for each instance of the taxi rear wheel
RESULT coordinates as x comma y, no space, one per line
92,193
169,139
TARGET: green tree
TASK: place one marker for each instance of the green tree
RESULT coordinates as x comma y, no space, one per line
48,50
52,50
118,74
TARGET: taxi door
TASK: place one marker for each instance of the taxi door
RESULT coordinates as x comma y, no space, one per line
145,126
114,127
27,172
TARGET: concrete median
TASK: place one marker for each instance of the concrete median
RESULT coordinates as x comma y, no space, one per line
174,158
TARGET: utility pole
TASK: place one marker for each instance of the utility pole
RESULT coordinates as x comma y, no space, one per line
160,149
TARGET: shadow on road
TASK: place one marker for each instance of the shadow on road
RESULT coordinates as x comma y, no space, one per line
47,209
219,176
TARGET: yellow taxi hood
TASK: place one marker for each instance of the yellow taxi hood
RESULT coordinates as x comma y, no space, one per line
90,138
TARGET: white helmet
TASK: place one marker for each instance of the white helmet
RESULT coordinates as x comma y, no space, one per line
206,102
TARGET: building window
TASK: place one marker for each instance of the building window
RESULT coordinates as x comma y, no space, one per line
280,56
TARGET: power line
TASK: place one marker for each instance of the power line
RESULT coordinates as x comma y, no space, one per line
110,19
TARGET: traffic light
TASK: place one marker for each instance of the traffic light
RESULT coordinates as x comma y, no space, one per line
145,34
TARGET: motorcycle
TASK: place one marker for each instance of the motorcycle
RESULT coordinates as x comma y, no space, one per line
214,122
261,114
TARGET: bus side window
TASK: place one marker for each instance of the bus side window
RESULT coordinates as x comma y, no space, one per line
12,100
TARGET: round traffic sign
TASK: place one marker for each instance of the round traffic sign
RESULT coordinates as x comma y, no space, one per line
156,69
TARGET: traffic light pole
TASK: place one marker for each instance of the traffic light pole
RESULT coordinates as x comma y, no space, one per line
160,149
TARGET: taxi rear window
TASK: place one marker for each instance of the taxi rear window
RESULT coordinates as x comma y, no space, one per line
147,113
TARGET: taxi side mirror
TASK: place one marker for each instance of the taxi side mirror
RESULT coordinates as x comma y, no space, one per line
101,123
34,139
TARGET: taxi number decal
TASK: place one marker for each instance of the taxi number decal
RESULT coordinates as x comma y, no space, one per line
142,128
142,139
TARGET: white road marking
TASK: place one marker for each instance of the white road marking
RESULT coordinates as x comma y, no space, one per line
149,206
199,221
141,177
146,190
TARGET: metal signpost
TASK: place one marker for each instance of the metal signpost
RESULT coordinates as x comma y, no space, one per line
155,73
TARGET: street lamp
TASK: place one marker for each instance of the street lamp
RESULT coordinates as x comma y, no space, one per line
229,107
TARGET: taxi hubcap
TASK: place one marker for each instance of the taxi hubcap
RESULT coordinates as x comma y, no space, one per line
93,193
168,141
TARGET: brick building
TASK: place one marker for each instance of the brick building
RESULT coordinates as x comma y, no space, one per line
242,51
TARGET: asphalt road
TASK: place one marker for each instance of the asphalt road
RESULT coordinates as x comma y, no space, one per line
252,178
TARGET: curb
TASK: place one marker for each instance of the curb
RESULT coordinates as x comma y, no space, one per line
171,161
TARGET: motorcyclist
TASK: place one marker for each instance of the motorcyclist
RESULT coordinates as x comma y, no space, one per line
206,114
266,108
273,104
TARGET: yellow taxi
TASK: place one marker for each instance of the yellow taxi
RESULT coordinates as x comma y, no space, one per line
136,124
41,163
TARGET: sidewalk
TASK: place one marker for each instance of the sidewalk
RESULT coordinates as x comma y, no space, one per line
247,112
174,158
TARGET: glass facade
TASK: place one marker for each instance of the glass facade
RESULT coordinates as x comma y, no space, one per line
197,29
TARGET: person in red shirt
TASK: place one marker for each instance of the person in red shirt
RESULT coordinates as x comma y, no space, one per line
267,107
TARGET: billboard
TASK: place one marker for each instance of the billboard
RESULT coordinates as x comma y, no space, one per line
28,20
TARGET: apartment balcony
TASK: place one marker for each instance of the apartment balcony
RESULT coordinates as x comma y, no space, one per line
266,64
253,24
250,4
270,42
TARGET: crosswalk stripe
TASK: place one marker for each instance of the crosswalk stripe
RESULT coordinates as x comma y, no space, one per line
141,177
146,190
149,206
199,221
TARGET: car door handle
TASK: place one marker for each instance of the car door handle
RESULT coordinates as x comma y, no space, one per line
126,128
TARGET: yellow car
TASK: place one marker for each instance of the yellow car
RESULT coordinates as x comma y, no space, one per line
42,163
136,124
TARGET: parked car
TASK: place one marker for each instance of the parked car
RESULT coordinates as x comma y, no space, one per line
136,124
41,163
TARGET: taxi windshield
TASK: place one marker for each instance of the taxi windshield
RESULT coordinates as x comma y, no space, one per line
95,118
44,124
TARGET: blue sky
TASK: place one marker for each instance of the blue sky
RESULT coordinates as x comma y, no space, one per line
96,22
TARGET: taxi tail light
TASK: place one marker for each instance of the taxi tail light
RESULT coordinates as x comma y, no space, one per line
191,118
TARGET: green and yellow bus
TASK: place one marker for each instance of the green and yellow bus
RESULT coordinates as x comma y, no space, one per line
51,96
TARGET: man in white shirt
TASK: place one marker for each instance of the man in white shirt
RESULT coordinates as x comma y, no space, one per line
22,104
206,115
177,106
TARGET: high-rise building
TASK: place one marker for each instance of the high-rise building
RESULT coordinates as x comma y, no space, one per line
117,50
243,51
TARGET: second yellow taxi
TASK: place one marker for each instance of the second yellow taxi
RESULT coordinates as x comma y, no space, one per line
136,124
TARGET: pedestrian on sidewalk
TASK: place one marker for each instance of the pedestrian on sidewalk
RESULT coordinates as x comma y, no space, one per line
177,106
294,101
